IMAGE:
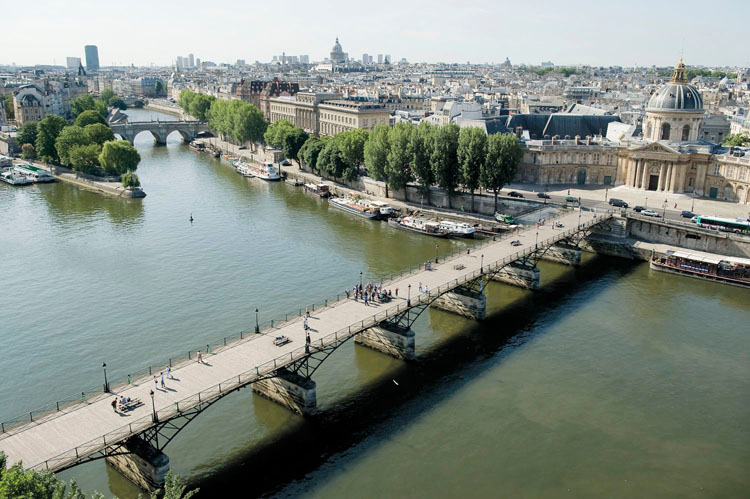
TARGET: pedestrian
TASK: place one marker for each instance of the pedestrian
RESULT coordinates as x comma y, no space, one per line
307,314
347,293
366,300
420,286
397,292
200,359
675,205
156,383
304,323
426,290
162,380
169,372
114,404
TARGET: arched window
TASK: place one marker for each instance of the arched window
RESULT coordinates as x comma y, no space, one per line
648,130
665,130
685,132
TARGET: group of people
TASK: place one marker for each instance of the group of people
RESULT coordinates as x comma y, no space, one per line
123,401
371,292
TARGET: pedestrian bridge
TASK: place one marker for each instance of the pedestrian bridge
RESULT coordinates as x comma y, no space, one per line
275,360
160,130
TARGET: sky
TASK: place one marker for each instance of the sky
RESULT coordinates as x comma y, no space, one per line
596,33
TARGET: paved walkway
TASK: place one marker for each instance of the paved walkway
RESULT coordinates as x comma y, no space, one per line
62,438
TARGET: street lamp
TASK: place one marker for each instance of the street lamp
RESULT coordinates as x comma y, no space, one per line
257,328
606,190
106,383
646,201
408,296
536,243
436,253
664,207
360,279
481,266
154,417
692,206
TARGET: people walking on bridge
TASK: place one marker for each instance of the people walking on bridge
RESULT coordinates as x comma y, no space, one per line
200,357
169,372
347,293
162,380
156,383
420,286
304,323
366,300
114,404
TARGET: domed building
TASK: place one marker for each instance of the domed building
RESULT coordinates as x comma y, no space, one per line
674,113
337,53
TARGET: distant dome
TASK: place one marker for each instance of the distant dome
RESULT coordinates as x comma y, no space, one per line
337,47
677,95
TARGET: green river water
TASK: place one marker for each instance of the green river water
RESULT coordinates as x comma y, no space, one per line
612,381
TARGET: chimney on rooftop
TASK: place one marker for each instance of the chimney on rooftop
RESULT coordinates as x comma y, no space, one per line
588,140
578,140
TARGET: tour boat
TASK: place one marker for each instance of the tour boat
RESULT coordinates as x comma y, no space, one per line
242,168
34,173
458,229
14,178
385,210
420,225
729,270
266,171
360,208
198,145
320,190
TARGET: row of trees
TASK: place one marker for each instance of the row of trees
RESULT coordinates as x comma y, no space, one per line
107,98
237,121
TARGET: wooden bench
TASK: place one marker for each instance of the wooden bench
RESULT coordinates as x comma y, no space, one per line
459,266
281,340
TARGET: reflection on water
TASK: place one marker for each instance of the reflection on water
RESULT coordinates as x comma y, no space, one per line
70,206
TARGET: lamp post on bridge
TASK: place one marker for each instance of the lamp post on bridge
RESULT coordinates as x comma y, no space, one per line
436,253
481,266
154,417
536,243
106,383
257,328
408,296
360,279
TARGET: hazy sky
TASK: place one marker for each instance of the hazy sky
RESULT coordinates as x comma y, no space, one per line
622,33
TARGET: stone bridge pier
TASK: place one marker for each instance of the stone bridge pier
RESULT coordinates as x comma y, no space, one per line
160,130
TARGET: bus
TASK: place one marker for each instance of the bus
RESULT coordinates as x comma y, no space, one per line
724,224
34,173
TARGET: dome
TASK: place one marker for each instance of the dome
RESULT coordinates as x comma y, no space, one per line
677,95
337,47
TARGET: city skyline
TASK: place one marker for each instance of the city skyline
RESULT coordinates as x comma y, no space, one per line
645,34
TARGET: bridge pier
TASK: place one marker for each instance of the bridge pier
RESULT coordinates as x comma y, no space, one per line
290,390
389,339
463,302
523,275
562,253
145,466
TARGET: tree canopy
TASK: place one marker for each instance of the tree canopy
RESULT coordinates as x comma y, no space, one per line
293,142
98,133
398,161
275,133
311,150
27,133
504,155
48,130
736,139
89,117
85,158
472,152
443,158
69,136
119,157
10,112
419,144
376,152
83,103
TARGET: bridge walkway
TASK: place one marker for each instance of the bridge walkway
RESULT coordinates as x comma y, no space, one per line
63,439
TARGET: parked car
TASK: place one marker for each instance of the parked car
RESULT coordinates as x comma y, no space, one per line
542,195
285,162
517,242
687,214
694,219
618,202
242,147
515,194
571,199
650,213
638,209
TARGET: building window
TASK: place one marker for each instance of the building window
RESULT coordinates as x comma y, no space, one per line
665,130
717,169
685,132
741,173
730,171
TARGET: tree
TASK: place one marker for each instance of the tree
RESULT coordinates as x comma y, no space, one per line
48,130
199,106
352,146
247,122
397,168
27,133
293,142
118,157
118,103
504,155
69,137
186,97
28,152
736,139
174,488
275,132
443,158
10,112
419,149
89,117
98,133
85,158
331,161
130,180
376,153
101,108
83,103
471,153
107,95
311,150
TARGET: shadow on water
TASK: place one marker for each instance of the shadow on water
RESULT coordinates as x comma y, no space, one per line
280,460
66,202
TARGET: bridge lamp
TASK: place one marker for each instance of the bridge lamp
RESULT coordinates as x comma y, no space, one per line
257,327
536,243
481,266
106,383
154,417
436,253
360,279
408,296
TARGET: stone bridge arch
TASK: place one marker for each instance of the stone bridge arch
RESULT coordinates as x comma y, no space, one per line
160,130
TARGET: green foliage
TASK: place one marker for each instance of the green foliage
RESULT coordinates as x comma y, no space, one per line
237,120
83,103
419,145
89,117
311,150
376,152
398,160
118,103
69,137
736,139
85,158
443,158
107,95
293,142
472,152
10,112
98,133
130,180
119,157
27,133
101,107
159,88
504,155
174,488
275,133
48,130
28,151
352,146
562,70
199,106
186,97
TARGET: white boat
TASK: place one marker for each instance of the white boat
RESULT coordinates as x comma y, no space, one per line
420,225
14,178
384,209
244,169
34,173
357,207
458,229
265,171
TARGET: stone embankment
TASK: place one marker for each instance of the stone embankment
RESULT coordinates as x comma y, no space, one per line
88,182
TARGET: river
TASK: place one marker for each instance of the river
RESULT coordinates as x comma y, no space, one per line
612,381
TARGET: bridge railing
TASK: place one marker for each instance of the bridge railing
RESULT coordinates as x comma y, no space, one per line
145,374
270,367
